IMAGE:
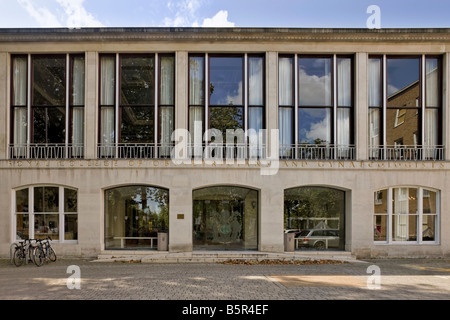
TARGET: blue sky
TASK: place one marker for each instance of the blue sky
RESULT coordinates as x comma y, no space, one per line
222,13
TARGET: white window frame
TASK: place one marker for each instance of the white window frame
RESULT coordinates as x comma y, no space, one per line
31,214
419,228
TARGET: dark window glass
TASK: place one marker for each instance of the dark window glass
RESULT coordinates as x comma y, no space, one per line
224,118
70,200
226,81
315,125
49,84
137,80
22,200
137,125
70,227
403,85
49,125
46,199
134,215
403,125
316,210
315,78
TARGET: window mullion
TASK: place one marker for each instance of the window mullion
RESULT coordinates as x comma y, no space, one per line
31,212
384,113
61,214
389,215
116,104
206,98
419,214
334,89
67,104
246,93
28,106
423,106
156,108
296,93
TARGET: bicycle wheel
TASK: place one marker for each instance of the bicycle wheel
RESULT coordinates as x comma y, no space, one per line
38,256
51,254
19,257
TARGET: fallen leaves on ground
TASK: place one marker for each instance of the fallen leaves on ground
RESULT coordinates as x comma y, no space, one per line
284,262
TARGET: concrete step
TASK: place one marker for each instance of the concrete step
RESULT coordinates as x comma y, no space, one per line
218,256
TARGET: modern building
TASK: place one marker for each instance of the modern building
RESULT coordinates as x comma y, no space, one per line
183,139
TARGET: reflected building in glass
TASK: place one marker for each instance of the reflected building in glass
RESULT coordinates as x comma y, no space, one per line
138,140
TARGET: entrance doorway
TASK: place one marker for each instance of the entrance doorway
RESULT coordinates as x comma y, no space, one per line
225,218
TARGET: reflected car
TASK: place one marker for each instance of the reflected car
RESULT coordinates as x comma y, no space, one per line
318,238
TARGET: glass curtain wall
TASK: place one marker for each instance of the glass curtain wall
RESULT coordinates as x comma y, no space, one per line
134,215
225,218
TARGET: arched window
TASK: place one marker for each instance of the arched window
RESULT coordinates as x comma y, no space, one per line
134,215
406,214
42,211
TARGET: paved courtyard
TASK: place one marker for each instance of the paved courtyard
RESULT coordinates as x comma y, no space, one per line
402,279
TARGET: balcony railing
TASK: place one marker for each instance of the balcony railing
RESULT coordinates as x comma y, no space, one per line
46,151
407,153
317,152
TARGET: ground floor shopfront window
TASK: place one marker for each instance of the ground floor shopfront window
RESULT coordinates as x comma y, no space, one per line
225,218
406,215
134,215
316,216
46,211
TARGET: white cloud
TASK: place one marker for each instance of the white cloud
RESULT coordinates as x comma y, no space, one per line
185,14
76,14
43,16
73,14
219,20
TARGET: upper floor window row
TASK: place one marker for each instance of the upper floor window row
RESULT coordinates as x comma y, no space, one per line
136,105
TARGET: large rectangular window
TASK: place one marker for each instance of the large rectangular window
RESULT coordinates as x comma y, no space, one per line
405,107
134,89
316,106
45,122
234,107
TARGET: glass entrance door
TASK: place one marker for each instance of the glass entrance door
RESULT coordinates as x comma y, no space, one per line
225,218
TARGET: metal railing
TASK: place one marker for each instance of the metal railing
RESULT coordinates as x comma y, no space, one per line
407,153
46,151
317,152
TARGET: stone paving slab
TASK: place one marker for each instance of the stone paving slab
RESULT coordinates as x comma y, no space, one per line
401,279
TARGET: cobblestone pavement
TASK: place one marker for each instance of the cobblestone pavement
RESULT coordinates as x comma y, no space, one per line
401,279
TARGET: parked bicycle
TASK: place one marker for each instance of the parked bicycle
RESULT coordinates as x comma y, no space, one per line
43,252
23,252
